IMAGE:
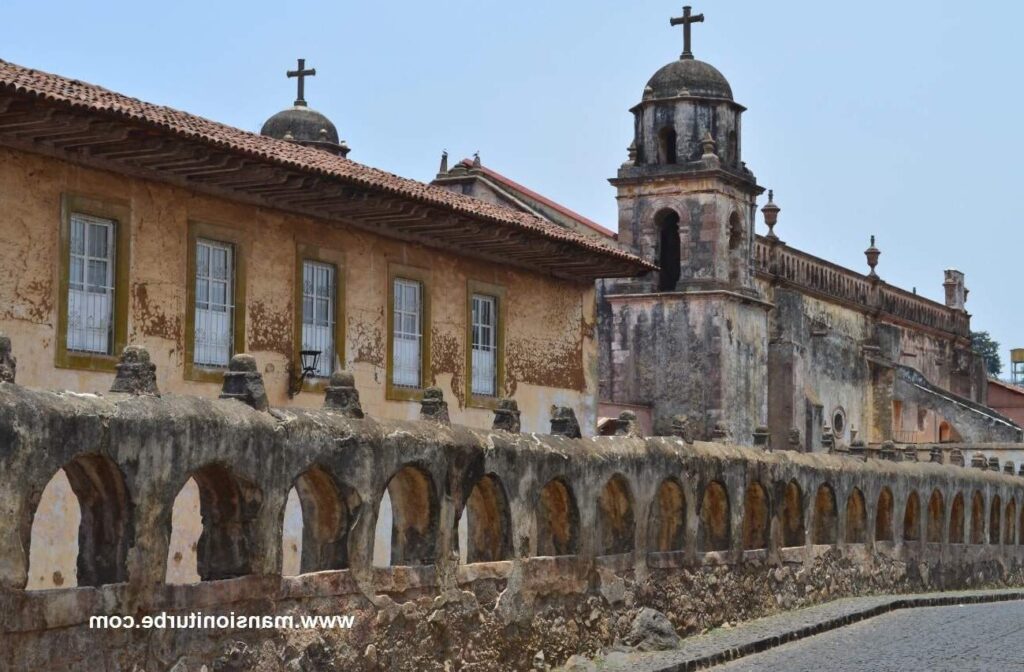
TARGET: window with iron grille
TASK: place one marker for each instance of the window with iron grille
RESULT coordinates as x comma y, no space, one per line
215,309
485,345
318,307
91,284
407,341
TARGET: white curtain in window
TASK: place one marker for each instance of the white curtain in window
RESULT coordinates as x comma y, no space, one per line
215,308
91,284
485,341
407,339
318,313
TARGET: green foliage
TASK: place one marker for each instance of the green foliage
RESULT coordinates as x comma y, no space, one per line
983,344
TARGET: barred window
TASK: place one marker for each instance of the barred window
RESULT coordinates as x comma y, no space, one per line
215,309
91,284
318,313
407,342
485,345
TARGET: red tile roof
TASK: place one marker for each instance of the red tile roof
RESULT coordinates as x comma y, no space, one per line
512,184
75,94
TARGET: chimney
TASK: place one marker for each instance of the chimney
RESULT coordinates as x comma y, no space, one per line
956,293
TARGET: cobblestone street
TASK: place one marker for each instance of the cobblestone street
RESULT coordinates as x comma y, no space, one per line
970,638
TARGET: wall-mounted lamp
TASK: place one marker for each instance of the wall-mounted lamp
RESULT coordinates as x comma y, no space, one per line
308,360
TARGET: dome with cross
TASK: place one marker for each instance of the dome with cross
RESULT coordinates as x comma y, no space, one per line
303,125
688,77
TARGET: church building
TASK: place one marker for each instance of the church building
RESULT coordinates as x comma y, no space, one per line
740,337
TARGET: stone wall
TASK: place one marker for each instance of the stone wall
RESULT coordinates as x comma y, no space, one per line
567,538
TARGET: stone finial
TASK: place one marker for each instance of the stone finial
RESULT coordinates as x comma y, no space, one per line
762,437
136,374
935,455
631,154
443,168
243,381
872,254
771,215
979,461
910,454
828,439
993,464
628,425
888,451
795,440
956,457
342,395
433,407
719,432
857,448
8,364
476,160
1008,467
564,423
682,427
708,146
507,416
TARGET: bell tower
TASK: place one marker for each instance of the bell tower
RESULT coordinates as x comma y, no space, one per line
689,340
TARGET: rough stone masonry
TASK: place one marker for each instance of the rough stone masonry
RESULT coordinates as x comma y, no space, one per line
569,539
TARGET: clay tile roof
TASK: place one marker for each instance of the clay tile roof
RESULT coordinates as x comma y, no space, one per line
75,94
512,184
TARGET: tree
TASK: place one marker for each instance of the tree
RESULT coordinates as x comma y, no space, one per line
983,344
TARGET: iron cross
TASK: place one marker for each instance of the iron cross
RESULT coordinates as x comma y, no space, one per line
302,73
686,19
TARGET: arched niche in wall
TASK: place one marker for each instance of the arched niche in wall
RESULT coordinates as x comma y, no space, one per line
484,527
995,519
82,527
558,520
977,518
756,516
716,526
936,517
667,524
912,518
956,520
826,519
883,515
667,145
407,514
615,523
793,530
856,518
326,510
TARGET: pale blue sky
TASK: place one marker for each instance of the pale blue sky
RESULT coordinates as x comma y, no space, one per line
900,119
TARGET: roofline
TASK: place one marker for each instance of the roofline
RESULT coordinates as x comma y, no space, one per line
572,214
18,83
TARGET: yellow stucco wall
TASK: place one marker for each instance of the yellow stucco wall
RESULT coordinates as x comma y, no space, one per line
550,348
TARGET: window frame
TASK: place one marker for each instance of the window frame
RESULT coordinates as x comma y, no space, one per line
119,212
324,255
226,235
499,293
395,392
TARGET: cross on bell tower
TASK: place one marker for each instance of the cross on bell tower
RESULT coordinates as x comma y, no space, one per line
686,20
301,74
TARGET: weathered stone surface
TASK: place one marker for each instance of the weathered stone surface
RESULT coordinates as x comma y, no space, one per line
433,407
342,395
628,425
563,422
428,607
8,364
506,416
243,381
652,631
136,373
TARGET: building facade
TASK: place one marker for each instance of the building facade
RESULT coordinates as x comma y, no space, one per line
127,223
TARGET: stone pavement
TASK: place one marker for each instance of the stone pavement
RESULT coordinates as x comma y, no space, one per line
729,644
963,638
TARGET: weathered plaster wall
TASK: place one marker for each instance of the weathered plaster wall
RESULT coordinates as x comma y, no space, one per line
707,553
550,348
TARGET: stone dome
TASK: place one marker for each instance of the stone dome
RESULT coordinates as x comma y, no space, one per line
301,124
696,78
